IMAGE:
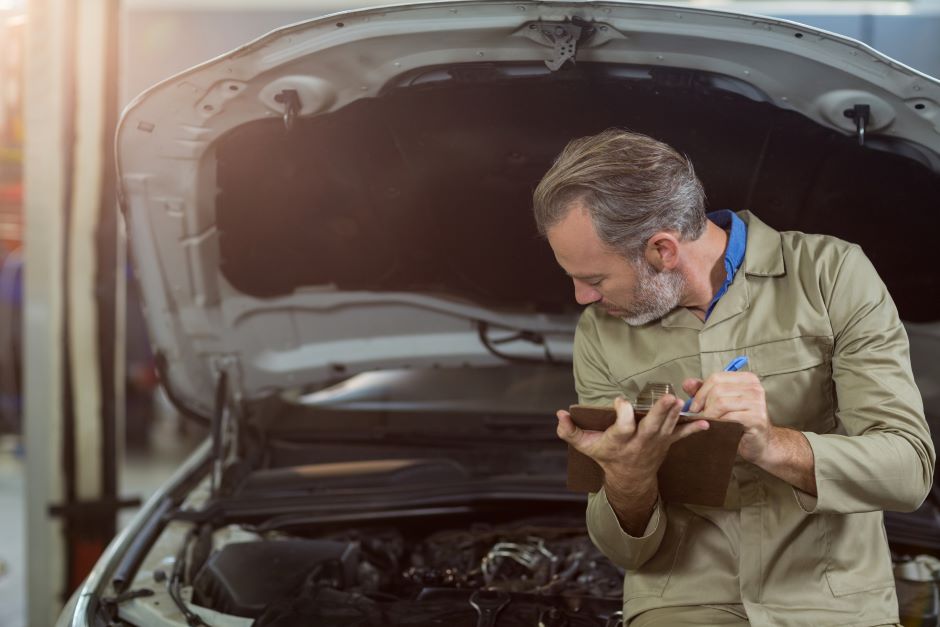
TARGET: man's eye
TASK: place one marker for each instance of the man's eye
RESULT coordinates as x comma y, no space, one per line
596,283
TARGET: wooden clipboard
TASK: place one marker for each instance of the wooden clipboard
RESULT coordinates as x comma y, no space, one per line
696,471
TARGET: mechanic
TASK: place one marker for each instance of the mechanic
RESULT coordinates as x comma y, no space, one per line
834,423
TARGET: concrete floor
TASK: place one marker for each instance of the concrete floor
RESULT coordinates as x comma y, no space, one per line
142,472
12,540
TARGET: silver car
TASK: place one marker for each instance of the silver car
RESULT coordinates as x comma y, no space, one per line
342,279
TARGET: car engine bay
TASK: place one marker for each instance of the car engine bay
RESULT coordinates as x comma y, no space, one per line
532,571
545,569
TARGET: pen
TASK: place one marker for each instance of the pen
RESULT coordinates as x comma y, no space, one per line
733,366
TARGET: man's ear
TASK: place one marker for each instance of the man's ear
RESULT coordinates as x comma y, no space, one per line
662,251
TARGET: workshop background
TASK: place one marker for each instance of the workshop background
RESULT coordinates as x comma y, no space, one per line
67,68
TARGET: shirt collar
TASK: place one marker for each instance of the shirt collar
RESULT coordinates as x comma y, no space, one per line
734,251
765,248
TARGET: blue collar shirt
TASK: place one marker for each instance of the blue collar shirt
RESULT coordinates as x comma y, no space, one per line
734,252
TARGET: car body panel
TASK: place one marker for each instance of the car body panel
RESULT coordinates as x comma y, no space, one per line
167,139
455,422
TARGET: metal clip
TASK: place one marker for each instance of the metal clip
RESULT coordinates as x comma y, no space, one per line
291,101
861,113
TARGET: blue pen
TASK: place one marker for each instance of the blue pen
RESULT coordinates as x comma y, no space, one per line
736,364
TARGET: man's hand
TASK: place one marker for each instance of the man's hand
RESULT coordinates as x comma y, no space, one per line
739,396
630,452
630,447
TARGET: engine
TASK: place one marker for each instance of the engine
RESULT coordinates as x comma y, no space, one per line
531,572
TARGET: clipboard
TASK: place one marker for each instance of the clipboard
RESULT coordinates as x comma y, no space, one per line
696,471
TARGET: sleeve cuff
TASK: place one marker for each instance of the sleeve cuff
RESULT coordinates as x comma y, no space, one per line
807,502
629,552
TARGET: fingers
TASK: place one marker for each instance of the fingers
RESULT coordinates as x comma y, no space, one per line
724,406
659,426
625,424
672,408
686,429
662,417
730,384
583,440
692,386
722,401
567,430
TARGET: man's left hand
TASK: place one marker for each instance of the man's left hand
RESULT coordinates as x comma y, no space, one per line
737,396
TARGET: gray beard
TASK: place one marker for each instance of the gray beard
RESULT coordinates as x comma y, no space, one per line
655,295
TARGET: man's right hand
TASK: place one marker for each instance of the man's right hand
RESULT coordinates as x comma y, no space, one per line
630,453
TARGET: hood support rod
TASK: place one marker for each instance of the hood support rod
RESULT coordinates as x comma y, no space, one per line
218,416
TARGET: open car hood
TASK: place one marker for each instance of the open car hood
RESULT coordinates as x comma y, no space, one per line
353,192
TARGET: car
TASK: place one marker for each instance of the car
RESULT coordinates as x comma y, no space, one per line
342,279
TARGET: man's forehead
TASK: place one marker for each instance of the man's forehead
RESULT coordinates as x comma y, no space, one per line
577,247
587,278
574,231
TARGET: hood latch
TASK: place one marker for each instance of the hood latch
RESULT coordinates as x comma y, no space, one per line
861,113
292,106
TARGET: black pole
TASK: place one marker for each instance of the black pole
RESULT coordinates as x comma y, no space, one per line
70,90
108,272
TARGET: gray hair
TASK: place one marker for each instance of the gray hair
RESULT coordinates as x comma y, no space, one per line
632,185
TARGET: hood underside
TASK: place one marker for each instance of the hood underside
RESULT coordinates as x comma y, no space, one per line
354,192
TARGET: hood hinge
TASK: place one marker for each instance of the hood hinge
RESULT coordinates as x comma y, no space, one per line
565,38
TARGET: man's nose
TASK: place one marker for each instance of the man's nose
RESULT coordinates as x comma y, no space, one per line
584,293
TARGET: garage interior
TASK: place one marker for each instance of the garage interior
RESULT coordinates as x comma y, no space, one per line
86,433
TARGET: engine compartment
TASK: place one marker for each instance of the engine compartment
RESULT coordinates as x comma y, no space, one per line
533,571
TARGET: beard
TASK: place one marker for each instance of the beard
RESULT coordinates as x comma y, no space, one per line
655,294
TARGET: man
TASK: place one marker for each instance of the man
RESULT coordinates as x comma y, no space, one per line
834,425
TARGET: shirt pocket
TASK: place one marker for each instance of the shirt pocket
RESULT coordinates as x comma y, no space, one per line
858,559
650,579
673,372
797,377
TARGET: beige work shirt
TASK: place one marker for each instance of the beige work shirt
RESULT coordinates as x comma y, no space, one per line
818,326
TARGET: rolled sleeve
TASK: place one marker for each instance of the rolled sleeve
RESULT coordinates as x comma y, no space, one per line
627,551
592,378
868,473
884,458
596,387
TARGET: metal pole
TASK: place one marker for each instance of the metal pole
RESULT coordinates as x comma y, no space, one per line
45,198
70,311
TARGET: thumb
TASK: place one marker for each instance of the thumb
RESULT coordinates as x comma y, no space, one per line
692,386
567,430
